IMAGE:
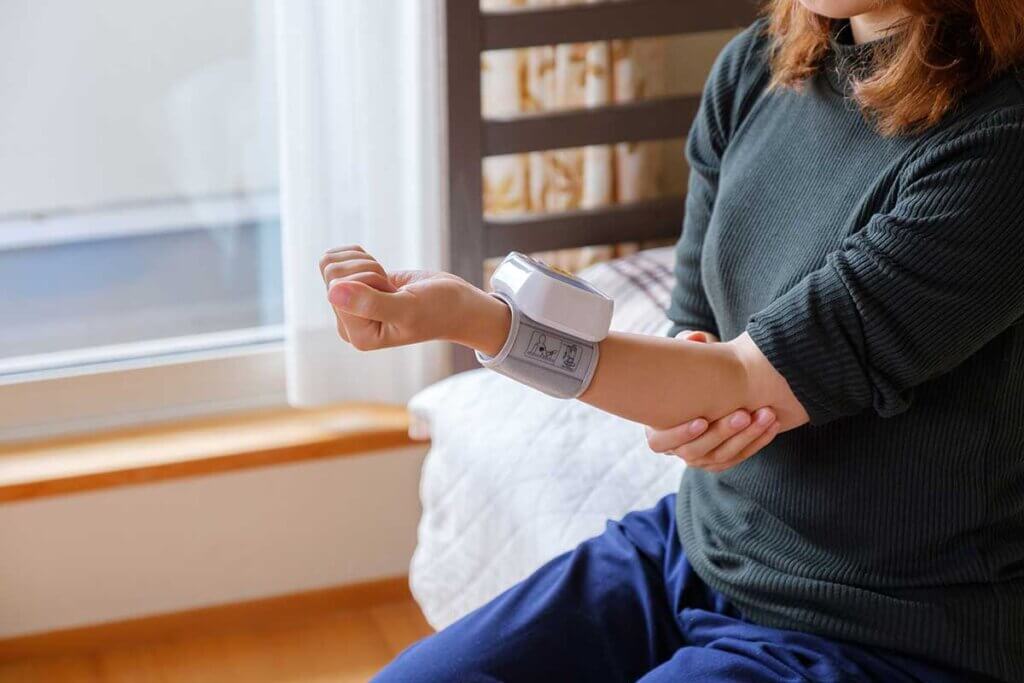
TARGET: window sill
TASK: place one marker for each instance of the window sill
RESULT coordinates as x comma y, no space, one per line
54,467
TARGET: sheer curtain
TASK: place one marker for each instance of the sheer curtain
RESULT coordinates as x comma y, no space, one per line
360,108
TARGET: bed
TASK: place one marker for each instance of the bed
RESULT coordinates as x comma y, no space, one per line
514,477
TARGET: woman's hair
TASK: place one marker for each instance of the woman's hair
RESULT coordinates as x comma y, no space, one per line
943,49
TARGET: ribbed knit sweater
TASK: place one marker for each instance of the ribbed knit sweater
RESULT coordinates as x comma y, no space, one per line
884,279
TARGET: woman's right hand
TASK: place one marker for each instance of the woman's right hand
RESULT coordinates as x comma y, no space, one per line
720,445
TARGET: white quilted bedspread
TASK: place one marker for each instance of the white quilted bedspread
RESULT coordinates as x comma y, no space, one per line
513,478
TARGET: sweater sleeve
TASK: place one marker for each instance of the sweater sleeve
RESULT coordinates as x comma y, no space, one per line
734,77
916,291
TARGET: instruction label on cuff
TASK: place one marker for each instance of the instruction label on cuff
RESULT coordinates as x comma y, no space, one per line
552,351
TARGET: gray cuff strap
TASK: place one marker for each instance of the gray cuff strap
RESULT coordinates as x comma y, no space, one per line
547,360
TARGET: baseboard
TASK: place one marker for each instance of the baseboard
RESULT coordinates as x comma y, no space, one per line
294,606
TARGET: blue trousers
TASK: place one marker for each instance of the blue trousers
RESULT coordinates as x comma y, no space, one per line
627,606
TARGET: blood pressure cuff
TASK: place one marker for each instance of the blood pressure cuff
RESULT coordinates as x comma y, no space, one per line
538,356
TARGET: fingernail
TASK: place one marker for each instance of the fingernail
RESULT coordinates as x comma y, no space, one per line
765,417
697,426
739,420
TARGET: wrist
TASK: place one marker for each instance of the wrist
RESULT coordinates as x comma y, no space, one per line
482,322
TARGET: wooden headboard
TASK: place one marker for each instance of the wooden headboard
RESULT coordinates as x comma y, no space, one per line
472,237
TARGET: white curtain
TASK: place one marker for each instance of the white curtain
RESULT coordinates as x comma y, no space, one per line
359,85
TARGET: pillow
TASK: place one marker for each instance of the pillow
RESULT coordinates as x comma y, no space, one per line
641,285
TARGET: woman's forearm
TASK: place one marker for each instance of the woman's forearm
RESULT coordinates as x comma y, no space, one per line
664,382
659,381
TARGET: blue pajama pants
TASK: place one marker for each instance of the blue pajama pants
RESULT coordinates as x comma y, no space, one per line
627,606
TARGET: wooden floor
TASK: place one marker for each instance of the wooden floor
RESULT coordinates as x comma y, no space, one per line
344,647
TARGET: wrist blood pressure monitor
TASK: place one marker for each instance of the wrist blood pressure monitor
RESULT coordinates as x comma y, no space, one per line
557,322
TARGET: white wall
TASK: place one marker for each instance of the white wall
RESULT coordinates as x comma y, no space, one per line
132,551
110,101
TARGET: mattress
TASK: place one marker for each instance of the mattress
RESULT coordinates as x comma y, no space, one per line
514,478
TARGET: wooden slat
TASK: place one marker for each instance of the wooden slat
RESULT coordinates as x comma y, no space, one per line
610,20
659,119
197,447
465,184
292,609
639,221
465,181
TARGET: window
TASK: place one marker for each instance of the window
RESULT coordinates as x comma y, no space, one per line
138,184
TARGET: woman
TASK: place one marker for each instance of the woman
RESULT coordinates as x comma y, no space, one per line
854,231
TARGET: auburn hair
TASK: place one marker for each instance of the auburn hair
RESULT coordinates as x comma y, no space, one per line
943,48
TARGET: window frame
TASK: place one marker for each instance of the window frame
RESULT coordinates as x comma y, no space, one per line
147,389
81,390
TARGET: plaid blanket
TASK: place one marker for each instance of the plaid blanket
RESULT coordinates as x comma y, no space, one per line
641,285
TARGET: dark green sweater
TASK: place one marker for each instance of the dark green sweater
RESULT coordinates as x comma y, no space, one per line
884,278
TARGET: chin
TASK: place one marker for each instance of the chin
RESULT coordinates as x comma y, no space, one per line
841,9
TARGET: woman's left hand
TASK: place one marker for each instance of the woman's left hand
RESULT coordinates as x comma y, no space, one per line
378,309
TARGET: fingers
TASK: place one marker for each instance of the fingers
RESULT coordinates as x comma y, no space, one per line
723,444
694,450
353,263
373,279
697,336
342,269
727,439
361,333
349,247
344,261
664,440
693,335
339,254
731,448
348,263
